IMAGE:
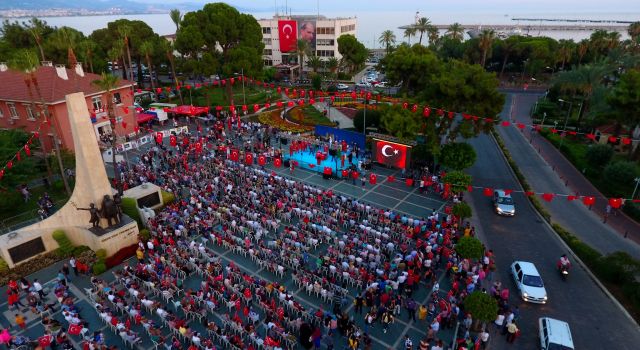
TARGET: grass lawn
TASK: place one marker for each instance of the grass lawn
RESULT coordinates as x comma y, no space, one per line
16,210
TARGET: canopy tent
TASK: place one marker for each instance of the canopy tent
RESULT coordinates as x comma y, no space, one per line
188,110
145,117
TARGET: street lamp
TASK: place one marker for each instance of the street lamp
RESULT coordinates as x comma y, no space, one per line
244,100
637,180
566,121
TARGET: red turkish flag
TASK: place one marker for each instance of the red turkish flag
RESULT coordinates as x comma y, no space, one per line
588,200
327,170
277,162
159,136
173,140
45,340
262,160
391,178
288,34
198,147
345,173
75,329
487,191
626,141
235,155
548,196
248,159
392,154
373,179
409,182
27,150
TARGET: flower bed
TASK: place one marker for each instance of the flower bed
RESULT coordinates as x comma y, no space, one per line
307,116
272,118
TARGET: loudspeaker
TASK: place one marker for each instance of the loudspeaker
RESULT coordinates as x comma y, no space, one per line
287,163
284,141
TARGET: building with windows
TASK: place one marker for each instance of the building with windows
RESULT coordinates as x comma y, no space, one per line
280,35
21,106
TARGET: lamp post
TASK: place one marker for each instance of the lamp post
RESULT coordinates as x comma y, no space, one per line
637,181
566,121
244,100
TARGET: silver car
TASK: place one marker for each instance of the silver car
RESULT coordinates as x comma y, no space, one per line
503,203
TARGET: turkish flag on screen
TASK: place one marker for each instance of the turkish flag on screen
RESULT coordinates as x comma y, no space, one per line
391,154
288,33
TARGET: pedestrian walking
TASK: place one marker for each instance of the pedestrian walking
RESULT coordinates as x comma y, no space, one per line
512,332
358,302
38,288
74,265
387,319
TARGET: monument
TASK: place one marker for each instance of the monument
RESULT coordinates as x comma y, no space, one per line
92,216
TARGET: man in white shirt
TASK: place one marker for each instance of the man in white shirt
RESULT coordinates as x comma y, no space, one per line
38,288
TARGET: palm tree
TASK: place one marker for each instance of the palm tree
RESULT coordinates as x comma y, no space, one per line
565,51
176,17
486,40
387,38
125,31
583,47
36,29
583,80
409,32
107,83
167,48
455,32
333,64
147,49
314,62
26,61
302,49
510,46
88,47
432,33
634,31
422,26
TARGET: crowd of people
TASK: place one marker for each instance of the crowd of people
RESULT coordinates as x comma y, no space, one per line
364,263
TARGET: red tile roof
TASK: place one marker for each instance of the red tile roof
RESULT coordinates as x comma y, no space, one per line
52,87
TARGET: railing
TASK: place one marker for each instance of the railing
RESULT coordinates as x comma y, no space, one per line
25,219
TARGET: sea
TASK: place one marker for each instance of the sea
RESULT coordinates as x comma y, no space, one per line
370,24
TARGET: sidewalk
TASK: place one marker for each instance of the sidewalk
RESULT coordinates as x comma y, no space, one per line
548,171
335,115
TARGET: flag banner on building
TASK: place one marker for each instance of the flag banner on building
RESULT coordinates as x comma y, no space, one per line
288,33
392,154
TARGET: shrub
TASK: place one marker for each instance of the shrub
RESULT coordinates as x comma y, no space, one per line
599,155
632,210
457,155
144,234
121,255
619,268
99,268
130,208
4,267
88,257
65,247
167,197
77,251
458,180
481,306
618,174
470,248
101,254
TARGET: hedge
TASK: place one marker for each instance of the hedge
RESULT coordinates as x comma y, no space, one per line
167,197
65,247
130,208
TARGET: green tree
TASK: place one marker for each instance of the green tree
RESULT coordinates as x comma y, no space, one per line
87,50
399,122
457,156
619,175
432,33
422,26
373,119
38,28
599,156
634,31
408,33
387,39
176,18
482,306
108,83
302,50
316,82
332,65
566,49
487,36
462,210
509,47
147,49
625,100
470,248
353,52
583,47
315,63
455,31
458,180
167,48
402,64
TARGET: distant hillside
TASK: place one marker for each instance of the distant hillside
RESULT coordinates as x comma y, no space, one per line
95,5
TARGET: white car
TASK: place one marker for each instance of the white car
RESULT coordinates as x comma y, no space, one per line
529,282
342,87
554,334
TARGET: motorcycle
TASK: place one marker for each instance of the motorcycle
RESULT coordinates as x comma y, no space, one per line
564,272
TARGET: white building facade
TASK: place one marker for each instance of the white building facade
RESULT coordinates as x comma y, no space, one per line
280,33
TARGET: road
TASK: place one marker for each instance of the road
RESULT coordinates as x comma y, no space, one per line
596,322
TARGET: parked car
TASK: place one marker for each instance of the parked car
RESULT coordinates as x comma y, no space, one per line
529,282
554,334
503,203
342,87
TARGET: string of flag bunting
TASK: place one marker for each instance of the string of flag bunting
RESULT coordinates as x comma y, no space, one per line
17,156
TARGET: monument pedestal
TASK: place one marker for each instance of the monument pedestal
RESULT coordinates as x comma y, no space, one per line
115,237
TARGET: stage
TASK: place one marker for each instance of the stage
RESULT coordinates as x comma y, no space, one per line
307,160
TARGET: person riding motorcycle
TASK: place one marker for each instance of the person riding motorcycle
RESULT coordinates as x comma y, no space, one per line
564,263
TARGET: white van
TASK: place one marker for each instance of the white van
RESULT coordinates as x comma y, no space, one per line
554,334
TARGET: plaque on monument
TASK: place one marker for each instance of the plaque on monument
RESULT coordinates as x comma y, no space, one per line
26,250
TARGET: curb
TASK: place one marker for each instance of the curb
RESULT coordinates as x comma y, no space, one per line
564,244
